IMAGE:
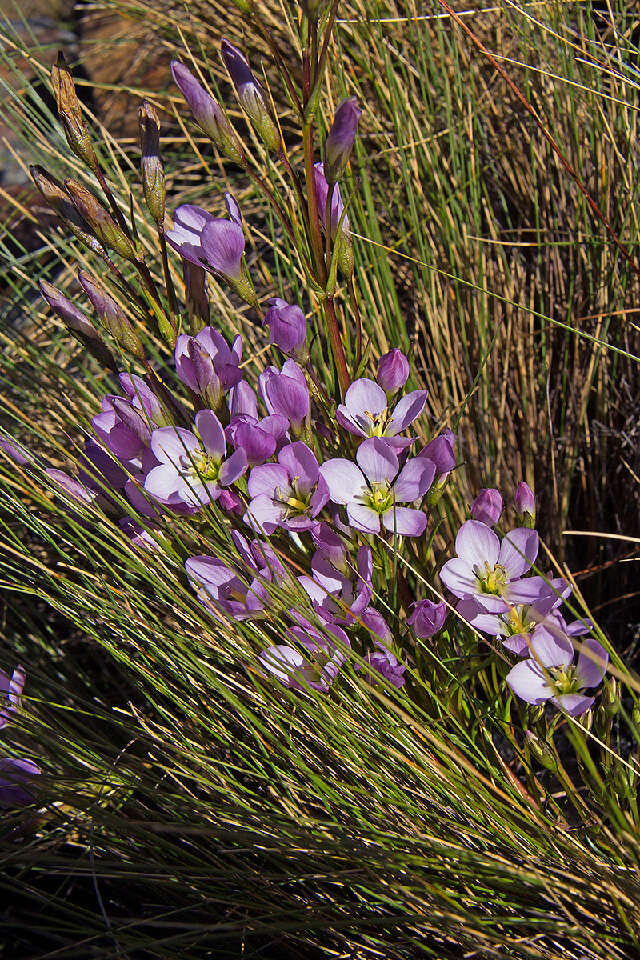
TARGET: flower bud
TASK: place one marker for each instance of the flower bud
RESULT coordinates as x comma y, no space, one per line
111,315
287,327
75,321
251,96
195,292
70,113
487,506
541,751
153,182
524,500
393,370
57,199
427,618
340,139
207,113
99,221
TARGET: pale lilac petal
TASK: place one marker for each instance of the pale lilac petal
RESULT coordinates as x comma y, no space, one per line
377,460
458,577
414,480
530,591
405,522
518,644
267,479
242,400
162,481
284,662
363,518
319,498
223,247
264,514
551,650
579,627
471,611
191,218
173,444
527,681
288,397
575,704
301,465
232,468
518,551
363,397
406,411
477,544
591,672
211,433
344,479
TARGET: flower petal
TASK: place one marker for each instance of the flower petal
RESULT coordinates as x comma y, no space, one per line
377,460
406,411
405,522
301,465
459,578
414,480
518,551
344,479
575,704
527,681
550,649
589,670
173,444
363,518
232,468
223,247
477,544
266,479
211,433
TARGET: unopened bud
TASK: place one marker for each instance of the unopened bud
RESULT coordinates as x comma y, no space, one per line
487,506
524,501
541,751
340,139
55,196
75,321
251,97
393,370
70,113
99,221
111,315
345,253
153,182
207,113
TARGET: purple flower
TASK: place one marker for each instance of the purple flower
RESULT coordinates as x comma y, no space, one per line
192,469
258,438
519,623
206,112
15,451
242,594
340,139
427,618
369,493
137,534
289,493
215,243
250,95
384,662
243,401
125,423
71,316
337,206
364,412
14,782
440,452
73,488
489,571
393,370
550,673
207,365
285,392
487,506
314,663
11,688
524,499
339,590
287,327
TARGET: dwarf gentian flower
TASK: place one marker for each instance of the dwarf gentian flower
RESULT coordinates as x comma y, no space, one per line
258,438
285,392
524,499
314,663
393,370
14,782
215,243
491,572
289,493
370,494
427,618
192,468
384,662
364,412
137,534
11,688
340,139
243,401
519,623
125,424
287,327
550,673
337,206
339,590
207,365
206,112
487,506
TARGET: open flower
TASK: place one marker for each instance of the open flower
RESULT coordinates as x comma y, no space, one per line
550,673
289,493
364,412
316,660
11,688
192,468
519,623
369,492
207,365
491,572
215,243
340,591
